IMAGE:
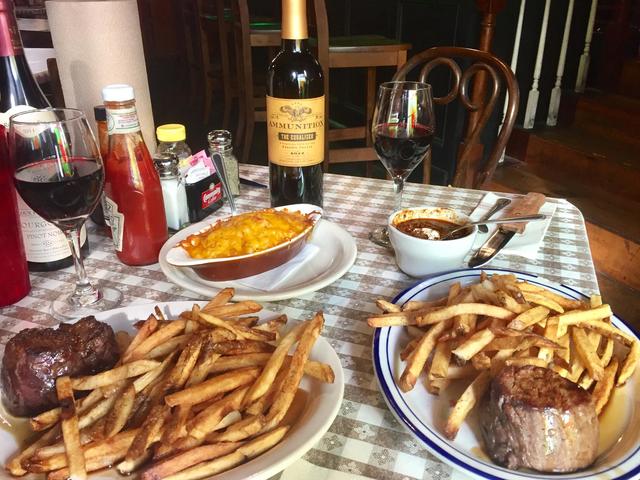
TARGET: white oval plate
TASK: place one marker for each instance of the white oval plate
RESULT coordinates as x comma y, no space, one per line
322,404
178,257
337,252
424,414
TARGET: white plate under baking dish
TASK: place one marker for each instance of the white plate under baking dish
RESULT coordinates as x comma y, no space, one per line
336,251
321,404
424,414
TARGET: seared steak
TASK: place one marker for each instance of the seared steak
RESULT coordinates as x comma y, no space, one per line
533,418
35,357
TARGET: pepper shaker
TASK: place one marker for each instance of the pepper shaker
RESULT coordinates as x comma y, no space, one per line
220,142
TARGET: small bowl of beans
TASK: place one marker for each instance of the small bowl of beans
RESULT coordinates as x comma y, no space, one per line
417,234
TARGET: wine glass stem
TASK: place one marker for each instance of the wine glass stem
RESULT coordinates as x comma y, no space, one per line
83,286
398,186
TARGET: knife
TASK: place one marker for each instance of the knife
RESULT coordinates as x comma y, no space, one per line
528,205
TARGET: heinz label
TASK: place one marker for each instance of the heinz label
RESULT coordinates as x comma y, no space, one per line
295,131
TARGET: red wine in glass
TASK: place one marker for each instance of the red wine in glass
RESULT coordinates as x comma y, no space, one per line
63,198
401,149
60,175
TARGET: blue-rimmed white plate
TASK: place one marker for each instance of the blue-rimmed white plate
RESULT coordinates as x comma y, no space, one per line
424,415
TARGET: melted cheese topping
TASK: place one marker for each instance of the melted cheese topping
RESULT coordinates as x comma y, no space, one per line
247,233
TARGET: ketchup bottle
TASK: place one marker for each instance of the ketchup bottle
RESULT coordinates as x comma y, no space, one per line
133,195
14,280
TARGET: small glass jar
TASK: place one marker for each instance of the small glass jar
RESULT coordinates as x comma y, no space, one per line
220,142
171,138
173,191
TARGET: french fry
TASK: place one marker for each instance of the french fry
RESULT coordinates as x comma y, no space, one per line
205,421
465,403
114,375
440,363
148,327
629,363
602,390
270,370
187,459
241,430
166,332
146,435
418,358
529,317
119,414
474,344
587,353
529,287
387,307
168,346
209,388
510,303
241,347
578,317
221,298
522,361
460,309
394,319
70,428
282,402
413,305
234,309
540,299
606,330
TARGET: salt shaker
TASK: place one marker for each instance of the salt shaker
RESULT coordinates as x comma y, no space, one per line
220,142
173,191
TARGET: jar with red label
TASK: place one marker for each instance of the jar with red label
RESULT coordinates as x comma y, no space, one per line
133,194
204,196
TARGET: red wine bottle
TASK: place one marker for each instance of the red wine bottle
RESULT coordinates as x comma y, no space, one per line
14,282
295,114
45,245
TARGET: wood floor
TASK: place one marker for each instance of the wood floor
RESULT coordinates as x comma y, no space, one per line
592,160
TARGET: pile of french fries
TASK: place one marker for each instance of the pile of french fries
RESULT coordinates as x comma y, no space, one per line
189,398
476,330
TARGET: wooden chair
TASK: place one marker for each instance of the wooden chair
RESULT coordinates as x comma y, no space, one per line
247,35
470,171
368,51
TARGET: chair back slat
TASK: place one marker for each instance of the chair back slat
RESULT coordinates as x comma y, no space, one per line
469,173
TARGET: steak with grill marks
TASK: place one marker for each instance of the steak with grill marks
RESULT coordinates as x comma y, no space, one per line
35,357
534,418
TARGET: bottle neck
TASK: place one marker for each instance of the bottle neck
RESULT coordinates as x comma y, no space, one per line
295,45
10,41
122,118
294,20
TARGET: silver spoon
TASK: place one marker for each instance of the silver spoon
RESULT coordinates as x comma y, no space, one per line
522,219
499,205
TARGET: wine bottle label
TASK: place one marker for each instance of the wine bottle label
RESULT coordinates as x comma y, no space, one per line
43,241
122,120
295,131
10,43
116,221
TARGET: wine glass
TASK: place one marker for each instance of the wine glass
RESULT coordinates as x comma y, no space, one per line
60,175
402,129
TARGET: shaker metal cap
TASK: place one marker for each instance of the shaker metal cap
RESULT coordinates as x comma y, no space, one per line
166,165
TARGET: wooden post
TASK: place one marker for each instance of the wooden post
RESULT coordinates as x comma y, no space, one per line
489,9
514,60
583,67
534,93
554,103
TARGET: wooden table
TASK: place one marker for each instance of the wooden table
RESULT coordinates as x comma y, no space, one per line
365,439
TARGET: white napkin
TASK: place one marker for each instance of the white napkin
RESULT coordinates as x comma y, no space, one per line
276,277
523,244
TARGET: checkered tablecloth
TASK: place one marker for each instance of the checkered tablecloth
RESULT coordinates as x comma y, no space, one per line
365,439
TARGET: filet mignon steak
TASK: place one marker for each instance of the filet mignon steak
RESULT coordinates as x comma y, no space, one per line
534,418
35,357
